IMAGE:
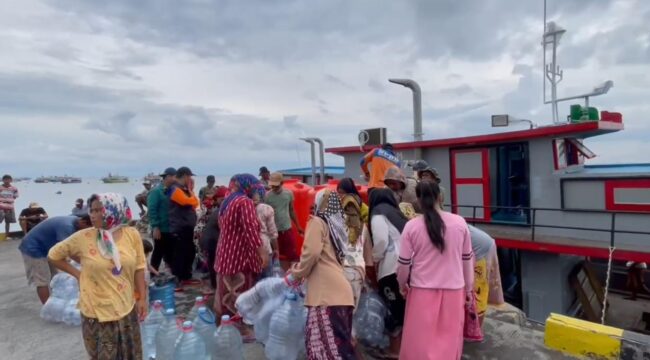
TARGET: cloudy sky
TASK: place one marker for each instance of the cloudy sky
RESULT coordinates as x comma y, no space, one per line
90,86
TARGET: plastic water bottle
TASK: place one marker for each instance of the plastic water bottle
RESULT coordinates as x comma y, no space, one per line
200,301
149,329
250,303
166,337
286,330
190,346
262,322
204,325
228,341
277,271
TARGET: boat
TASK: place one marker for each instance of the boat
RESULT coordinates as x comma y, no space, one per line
154,179
569,232
115,179
70,180
42,180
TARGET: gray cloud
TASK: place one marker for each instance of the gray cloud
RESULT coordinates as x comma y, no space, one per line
119,95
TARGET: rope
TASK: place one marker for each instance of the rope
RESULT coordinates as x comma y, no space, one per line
609,273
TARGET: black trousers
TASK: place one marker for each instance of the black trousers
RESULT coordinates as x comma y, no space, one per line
162,250
184,252
389,291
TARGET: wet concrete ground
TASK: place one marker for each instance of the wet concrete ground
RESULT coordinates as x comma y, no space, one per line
24,336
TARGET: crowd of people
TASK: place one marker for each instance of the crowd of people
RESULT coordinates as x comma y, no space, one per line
402,244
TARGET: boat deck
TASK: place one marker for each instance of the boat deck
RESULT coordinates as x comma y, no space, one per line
521,237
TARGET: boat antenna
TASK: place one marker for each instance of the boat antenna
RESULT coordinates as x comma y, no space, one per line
551,37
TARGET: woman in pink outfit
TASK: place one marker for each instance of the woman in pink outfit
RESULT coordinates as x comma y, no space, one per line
436,273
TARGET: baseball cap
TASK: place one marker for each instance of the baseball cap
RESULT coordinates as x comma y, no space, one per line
275,179
169,171
184,170
264,170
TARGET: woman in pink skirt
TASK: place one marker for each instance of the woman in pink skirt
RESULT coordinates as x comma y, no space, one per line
436,274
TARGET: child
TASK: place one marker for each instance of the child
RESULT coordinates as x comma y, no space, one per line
268,230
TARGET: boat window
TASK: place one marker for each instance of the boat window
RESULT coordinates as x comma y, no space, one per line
570,152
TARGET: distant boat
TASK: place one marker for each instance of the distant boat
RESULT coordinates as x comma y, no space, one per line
19,179
115,179
42,180
70,180
59,192
152,178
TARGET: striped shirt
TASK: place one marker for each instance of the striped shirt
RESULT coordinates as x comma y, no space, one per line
426,266
7,197
239,239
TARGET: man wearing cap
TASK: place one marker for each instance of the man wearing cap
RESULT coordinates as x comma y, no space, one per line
79,209
38,242
281,200
141,198
158,208
375,164
208,190
182,220
425,172
31,216
265,174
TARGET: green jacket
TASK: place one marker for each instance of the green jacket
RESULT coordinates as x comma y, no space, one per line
158,208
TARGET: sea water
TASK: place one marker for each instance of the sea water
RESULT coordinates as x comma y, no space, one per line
61,204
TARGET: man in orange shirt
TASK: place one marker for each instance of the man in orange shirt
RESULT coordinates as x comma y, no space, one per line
375,164
182,220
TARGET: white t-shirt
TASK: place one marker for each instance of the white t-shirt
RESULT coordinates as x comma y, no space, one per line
385,249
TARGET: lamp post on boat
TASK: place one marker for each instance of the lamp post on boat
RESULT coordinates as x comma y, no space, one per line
417,110
313,158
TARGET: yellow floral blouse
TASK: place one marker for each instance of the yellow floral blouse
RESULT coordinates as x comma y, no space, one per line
104,296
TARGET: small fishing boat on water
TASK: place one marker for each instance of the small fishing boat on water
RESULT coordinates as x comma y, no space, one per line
152,178
70,180
115,179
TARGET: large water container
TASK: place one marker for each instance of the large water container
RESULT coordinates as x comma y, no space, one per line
302,205
149,329
261,325
164,293
166,337
190,346
287,329
228,341
250,303
204,325
199,302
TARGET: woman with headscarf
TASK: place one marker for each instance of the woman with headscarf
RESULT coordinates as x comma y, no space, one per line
111,277
358,249
329,298
241,255
386,224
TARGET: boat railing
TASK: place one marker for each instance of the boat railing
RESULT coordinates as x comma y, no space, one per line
533,224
